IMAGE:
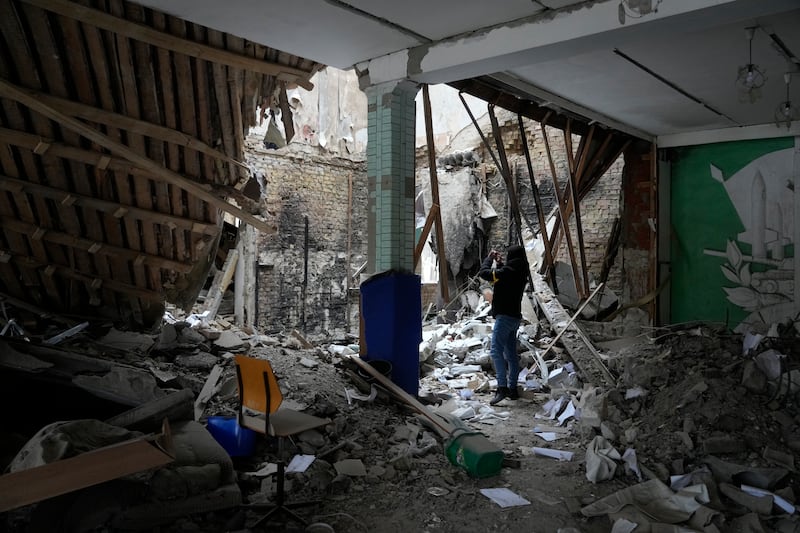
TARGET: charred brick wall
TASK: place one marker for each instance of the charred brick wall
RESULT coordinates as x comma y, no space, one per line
310,184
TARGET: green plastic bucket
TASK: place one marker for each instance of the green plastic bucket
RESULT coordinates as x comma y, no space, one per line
473,452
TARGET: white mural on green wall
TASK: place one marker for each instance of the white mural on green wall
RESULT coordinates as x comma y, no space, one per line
763,277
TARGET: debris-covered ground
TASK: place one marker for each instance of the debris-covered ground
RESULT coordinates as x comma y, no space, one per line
697,434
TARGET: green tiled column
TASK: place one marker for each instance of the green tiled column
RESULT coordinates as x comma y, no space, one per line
390,172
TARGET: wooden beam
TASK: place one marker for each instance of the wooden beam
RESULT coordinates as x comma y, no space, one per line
22,96
587,184
426,229
537,199
505,170
561,209
573,191
149,35
443,283
91,280
92,247
149,129
115,209
221,281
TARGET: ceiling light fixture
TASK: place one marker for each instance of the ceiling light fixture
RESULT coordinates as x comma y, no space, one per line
636,8
786,112
750,77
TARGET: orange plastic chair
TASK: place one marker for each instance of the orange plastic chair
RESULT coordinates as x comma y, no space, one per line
260,399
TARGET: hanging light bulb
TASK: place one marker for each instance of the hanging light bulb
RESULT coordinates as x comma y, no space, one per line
786,112
750,77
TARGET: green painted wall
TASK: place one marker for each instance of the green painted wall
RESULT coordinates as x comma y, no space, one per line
704,218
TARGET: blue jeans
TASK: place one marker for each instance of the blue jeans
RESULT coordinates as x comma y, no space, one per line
504,350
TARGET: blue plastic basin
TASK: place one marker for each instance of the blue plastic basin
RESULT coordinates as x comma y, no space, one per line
236,440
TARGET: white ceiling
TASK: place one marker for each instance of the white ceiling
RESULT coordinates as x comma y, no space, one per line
572,52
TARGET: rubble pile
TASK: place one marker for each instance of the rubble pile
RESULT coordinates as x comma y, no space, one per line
697,434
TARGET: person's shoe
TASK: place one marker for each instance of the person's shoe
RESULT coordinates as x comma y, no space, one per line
500,395
513,394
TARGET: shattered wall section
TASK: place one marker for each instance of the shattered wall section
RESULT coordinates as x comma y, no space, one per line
309,183
332,115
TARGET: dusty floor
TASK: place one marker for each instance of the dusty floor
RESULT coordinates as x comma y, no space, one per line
409,500
682,395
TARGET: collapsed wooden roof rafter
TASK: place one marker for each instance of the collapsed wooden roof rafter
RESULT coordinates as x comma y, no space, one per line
121,135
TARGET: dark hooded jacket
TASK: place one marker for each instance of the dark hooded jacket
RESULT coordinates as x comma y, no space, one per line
508,281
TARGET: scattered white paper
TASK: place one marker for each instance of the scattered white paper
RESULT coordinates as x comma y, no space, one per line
635,392
550,409
678,482
780,502
458,370
561,455
698,493
631,463
532,384
505,497
300,463
750,342
351,395
464,413
549,436
461,383
569,412
622,525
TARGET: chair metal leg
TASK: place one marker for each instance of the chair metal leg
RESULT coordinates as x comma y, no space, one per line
280,506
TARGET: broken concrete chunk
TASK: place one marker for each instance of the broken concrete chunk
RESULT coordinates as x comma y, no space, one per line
199,361
127,341
308,363
723,444
753,378
191,336
128,386
779,457
167,338
312,437
229,340
210,334
350,467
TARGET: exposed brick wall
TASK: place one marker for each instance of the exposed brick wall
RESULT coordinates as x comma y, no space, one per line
309,183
